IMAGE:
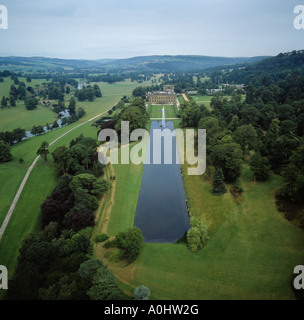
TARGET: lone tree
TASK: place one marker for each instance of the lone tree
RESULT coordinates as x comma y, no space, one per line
219,186
197,235
142,293
3,102
43,150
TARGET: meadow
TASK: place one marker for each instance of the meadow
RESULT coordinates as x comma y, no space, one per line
14,117
155,111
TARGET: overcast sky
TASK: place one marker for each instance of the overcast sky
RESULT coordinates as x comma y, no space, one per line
95,29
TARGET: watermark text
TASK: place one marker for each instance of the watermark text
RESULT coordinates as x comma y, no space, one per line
299,19
3,278
3,17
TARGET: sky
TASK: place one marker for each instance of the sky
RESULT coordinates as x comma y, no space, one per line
98,29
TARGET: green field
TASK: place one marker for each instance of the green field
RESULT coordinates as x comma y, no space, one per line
155,111
14,117
207,99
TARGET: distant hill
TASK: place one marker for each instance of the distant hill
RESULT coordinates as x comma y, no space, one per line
156,63
267,70
176,63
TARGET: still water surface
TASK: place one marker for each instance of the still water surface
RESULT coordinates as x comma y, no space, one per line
161,212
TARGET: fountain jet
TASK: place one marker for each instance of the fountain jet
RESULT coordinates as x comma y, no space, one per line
163,118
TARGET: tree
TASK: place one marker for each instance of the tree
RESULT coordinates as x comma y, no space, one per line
197,235
218,186
89,182
142,293
59,158
3,102
72,105
131,241
55,207
246,137
104,286
80,112
89,268
84,201
77,220
12,101
18,134
190,113
5,152
97,91
293,176
55,125
31,103
260,168
37,130
212,127
43,150
228,156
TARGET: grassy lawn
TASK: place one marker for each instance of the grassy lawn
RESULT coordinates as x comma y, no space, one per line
155,111
207,99
128,179
250,256
14,117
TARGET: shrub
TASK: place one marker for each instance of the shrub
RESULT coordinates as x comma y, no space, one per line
101,237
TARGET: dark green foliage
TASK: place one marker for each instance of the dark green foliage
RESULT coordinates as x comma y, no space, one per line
260,167
96,187
97,91
77,220
5,152
55,207
81,157
88,268
228,156
37,130
104,286
293,176
218,185
136,115
43,151
191,113
31,103
72,105
101,237
3,102
131,241
12,101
